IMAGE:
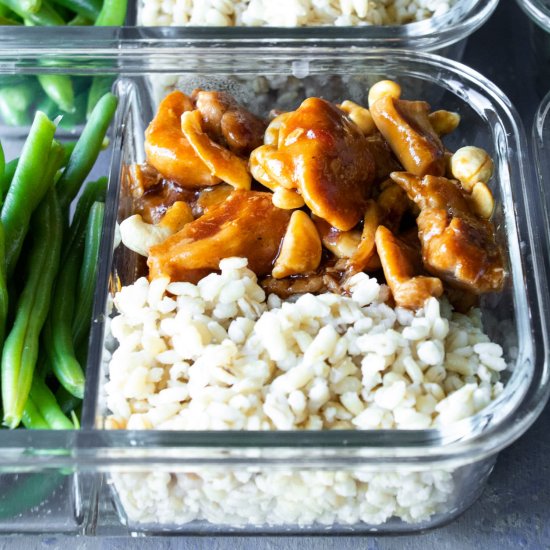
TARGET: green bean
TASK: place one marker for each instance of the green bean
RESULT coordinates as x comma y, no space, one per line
7,176
88,275
78,117
32,419
9,170
63,359
99,87
28,6
59,88
113,13
15,102
48,407
94,191
7,21
4,296
86,150
67,402
89,9
2,161
20,351
46,16
40,159
80,21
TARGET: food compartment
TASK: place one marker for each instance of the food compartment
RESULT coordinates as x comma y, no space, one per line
190,492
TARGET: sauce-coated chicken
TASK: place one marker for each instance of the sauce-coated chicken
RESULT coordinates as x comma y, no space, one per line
227,122
168,151
408,130
401,265
457,245
246,224
325,156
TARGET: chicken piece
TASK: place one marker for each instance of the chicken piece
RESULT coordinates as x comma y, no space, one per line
221,162
271,136
211,197
290,286
246,224
325,156
386,162
155,201
227,122
271,168
392,203
457,246
301,249
349,246
409,132
362,257
168,150
401,267
343,244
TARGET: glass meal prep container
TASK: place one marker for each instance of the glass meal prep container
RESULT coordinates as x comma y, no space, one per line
283,482
539,37
444,33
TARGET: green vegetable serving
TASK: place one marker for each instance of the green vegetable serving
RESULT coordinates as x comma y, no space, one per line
39,361
21,347
87,149
39,162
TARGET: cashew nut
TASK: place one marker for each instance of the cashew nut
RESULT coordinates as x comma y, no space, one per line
287,199
482,201
139,236
444,122
360,115
301,249
382,89
470,165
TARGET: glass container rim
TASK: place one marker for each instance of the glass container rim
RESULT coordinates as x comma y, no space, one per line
537,11
432,34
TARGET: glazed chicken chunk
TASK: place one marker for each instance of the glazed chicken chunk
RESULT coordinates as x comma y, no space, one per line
246,224
324,155
457,245
407,128
229,123
168,150
401,264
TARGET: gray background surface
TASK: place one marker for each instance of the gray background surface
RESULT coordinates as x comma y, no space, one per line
514,510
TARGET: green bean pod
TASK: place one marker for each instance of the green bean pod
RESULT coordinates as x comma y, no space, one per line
89,9
32,419
4,296
2,161
7,176
67,402
59,88
40,159
20,351
100,86
7,21
87,149
48,407
113,13
9,170
15,102
63,359
94,191
88,275
46,16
